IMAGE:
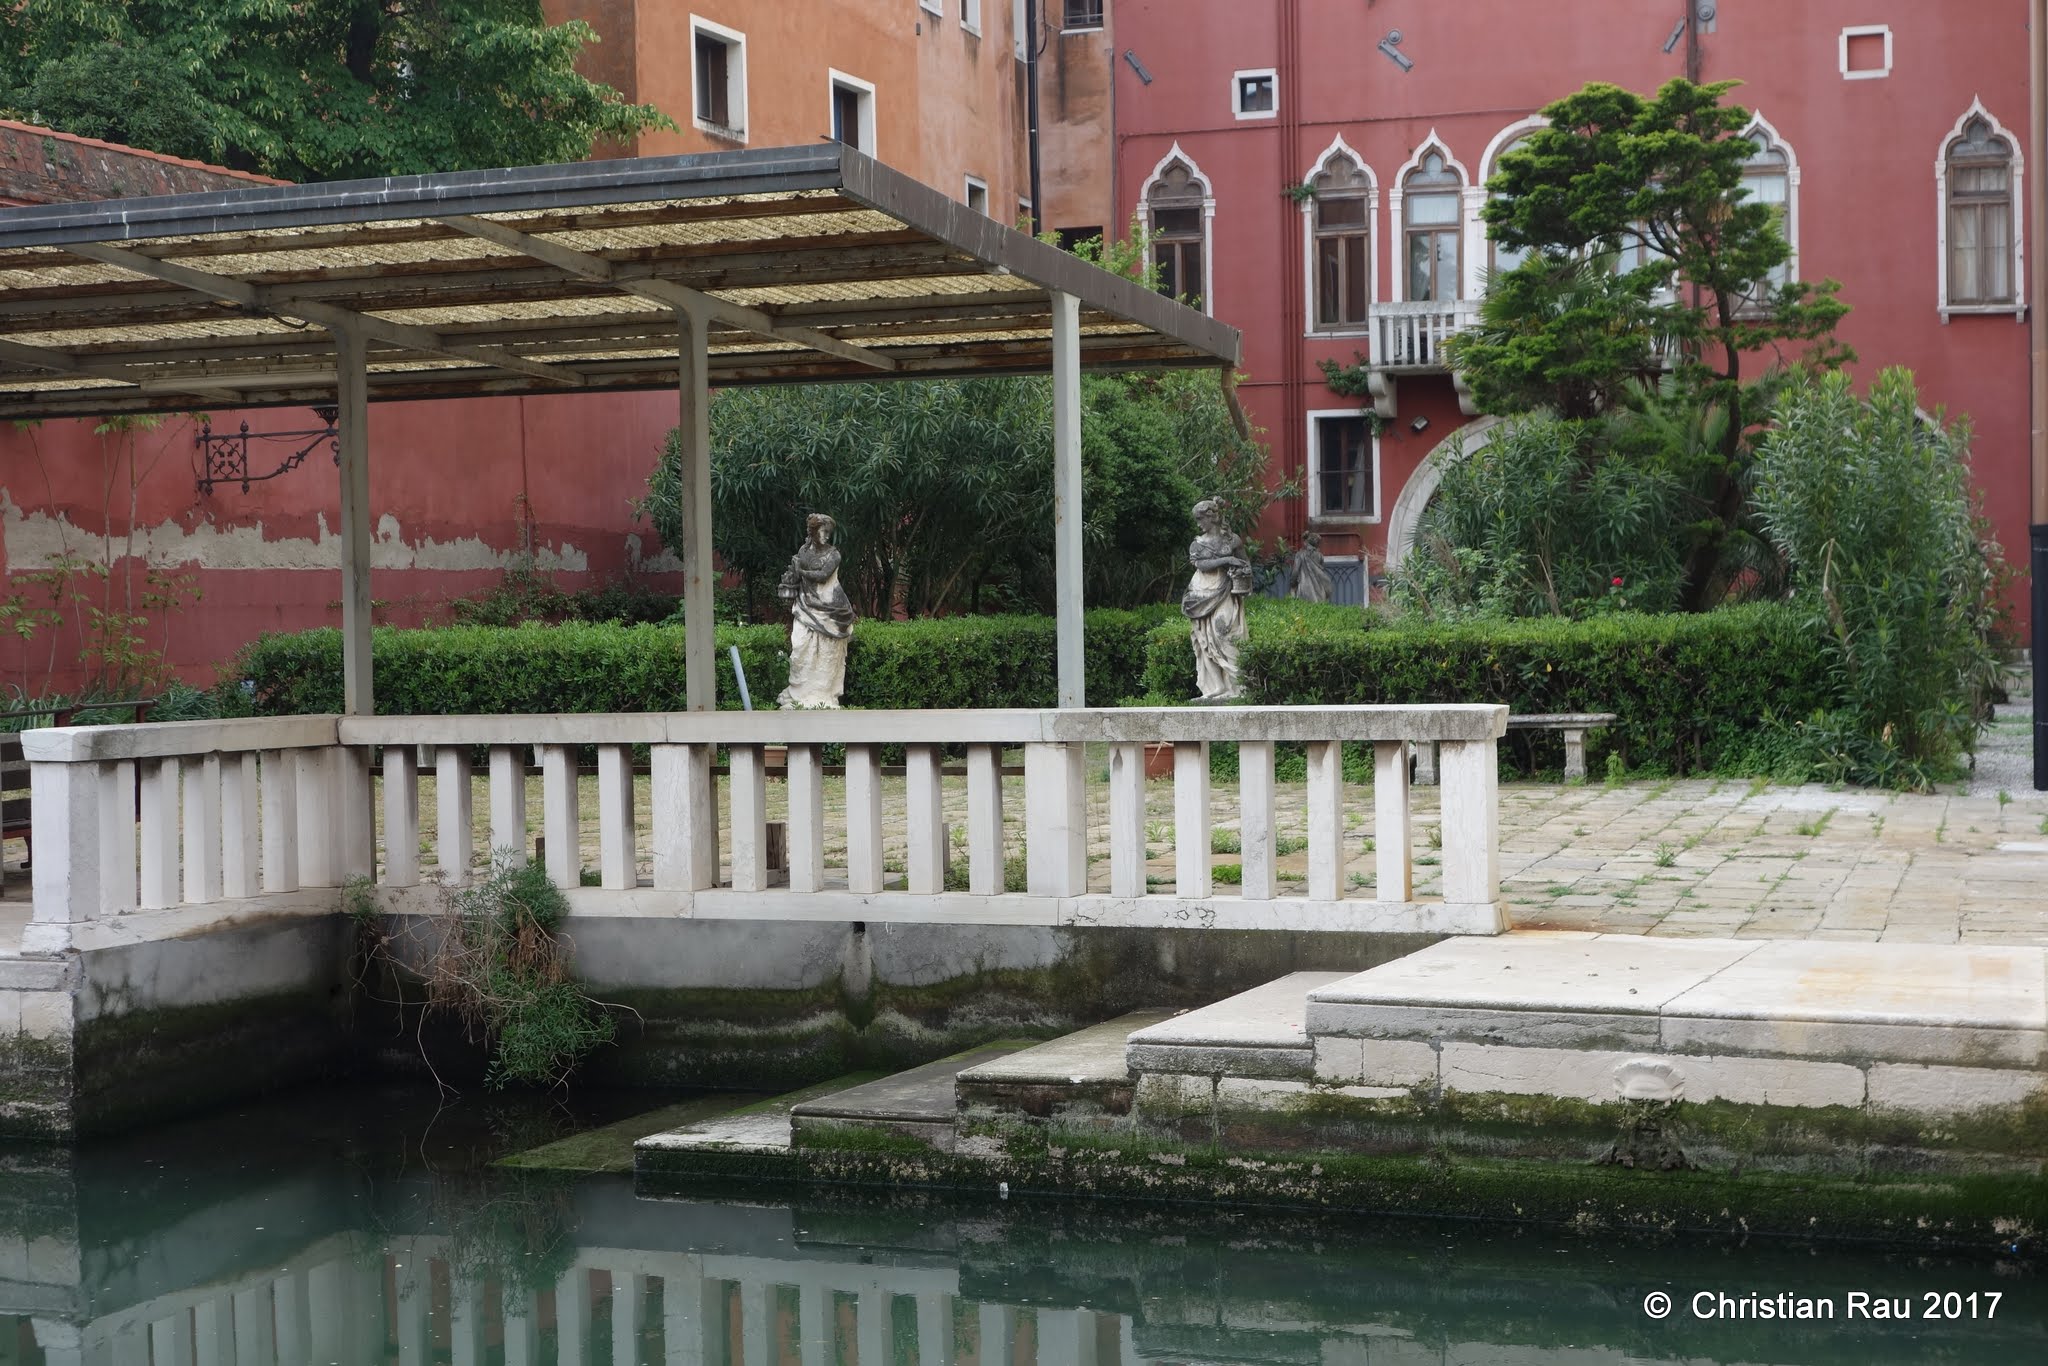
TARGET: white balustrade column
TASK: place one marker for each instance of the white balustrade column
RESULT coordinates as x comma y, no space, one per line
815,1336
1470,815
806,818
749,800
414,1290
118,889
1325,820
618,850
508,804
1394,874
1055,819
757,1322
294,1334
924,820
62,1343
200,774
683,1314
355,827
1127,820
996,1346
255,1328
454,812
213,1331
985,819
572,1318
685,818
935,1331
871,1325
170,1340
331,1315
161,885
65,808
1191,864
279,795
522,1328
317,815
240,873
863,819
401,816
465,1322
1066,1336
561,814
629,1308
1257,841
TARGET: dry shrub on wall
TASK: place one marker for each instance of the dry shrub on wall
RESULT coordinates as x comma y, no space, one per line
1893,570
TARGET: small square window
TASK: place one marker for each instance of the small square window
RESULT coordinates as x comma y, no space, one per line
977,195
1082,14
1865,54
853,112
1255,94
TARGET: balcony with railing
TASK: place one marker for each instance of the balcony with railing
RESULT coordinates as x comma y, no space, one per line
1408,337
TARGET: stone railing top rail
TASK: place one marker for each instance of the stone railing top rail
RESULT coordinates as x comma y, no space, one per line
1129,725
169,739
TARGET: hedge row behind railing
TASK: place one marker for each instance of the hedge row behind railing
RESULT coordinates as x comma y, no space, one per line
1691,692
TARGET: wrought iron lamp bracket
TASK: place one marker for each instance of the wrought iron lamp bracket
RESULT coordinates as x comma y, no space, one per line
224,457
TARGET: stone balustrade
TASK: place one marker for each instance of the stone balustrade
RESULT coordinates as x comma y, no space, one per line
157,816
1408,337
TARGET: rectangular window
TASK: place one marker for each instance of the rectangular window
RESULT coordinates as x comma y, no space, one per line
1346,471
977,195
1082,14
1342,261
1979,234
1177,252
719,78
970,15
1255,94
853,112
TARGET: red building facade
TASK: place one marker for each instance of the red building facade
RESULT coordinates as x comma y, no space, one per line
1893,132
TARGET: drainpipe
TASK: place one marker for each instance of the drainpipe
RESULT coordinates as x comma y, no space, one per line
2037,327
1033,40
1294,307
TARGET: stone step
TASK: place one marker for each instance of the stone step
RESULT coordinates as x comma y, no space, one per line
918,1104
1936,1029
762,1127
1082,1080
1259,1033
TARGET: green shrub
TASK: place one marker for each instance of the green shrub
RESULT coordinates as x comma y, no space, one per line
950,662
1871,505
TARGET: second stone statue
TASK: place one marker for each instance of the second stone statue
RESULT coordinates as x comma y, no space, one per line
821,620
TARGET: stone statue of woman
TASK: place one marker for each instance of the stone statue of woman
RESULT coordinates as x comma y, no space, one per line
1214,602
822,620
1308,575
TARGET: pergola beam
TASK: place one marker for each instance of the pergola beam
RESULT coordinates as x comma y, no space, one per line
598,270
64,363
269,299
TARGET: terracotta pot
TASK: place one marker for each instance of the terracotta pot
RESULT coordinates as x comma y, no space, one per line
1159,760
775,756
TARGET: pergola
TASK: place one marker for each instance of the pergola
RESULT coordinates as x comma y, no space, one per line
776,265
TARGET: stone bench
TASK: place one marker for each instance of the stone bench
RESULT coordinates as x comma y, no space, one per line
1573,724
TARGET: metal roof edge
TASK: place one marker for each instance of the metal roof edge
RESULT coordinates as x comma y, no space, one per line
498,190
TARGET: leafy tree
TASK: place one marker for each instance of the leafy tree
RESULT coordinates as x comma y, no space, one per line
315,89
942,489
1661,181
1871,506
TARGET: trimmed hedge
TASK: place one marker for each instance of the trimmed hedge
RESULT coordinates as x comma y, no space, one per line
1692,691
587,667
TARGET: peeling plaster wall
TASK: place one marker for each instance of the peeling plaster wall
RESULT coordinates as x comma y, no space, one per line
457,489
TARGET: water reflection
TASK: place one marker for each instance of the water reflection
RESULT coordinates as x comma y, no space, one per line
353,1231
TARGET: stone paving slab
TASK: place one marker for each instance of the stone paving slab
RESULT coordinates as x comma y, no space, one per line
1258,1033
1094,1054
761,1127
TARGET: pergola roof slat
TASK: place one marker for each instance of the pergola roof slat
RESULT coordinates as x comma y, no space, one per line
808,263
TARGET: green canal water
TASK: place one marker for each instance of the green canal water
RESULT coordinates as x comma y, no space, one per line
369,1225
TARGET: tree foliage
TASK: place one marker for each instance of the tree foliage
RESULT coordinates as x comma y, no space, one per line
315,89
1659,180
1565,333
942,489
1871,505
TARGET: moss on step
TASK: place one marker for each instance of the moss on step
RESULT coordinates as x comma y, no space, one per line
610,1149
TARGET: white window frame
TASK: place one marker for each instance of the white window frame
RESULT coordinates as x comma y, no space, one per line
1765,135
1865,31
1091,28
1338,147
1143,213
1316,514
735,78
1397,194
935,8
970,17
1236,90
970,185
2018,306
836,80
1478,247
